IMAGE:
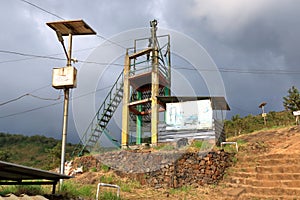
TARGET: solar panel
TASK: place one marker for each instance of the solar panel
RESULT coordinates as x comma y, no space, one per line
74,27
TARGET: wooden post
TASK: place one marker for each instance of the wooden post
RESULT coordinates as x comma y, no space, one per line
125,109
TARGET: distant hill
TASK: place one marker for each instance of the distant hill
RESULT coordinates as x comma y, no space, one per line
33,151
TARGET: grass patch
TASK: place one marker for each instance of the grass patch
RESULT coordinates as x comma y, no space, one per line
4,190
241,142
93,169
202,145
105,168
22,189
130,185
107,179
183,189
164,147
234,160
108,195
71,190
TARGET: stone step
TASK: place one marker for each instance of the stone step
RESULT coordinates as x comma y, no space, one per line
270,162
267,157
242,174
276,191
243,169
278,176
266,183
252,196
278,169
266,162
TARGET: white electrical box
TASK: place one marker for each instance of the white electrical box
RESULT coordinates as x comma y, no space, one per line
64,77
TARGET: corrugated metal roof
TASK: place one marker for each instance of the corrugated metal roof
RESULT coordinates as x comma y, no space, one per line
218,103
23,197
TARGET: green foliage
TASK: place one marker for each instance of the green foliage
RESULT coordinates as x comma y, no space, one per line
5,155
251,123
292,100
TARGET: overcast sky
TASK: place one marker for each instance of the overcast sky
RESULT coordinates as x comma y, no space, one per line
254,43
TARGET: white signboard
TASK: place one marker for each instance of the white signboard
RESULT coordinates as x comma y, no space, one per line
189,115
296,113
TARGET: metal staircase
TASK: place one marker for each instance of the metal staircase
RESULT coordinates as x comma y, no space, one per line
99,123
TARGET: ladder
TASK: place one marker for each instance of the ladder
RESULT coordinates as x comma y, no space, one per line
99,123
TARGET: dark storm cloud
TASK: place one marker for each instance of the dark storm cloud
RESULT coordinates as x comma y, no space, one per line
247,36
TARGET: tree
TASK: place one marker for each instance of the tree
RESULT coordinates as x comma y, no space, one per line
292,100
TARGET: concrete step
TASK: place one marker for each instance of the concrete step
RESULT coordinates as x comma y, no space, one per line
266,183
274,191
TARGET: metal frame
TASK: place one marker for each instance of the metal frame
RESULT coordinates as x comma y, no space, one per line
155,76
13,174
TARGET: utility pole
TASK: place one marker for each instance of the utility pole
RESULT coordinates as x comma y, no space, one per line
65,77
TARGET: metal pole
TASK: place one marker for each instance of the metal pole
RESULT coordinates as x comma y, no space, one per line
65,117
64,133
70,50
